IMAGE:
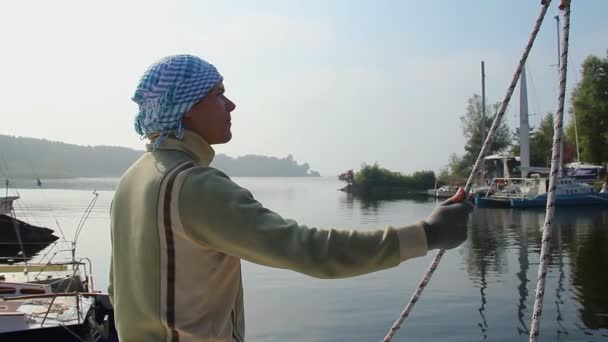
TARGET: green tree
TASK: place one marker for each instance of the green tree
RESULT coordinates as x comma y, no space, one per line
541,142
590,102
471,129
371,176
459,168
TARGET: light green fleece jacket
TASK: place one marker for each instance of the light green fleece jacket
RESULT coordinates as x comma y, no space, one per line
180,229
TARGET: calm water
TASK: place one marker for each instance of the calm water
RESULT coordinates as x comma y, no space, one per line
483,290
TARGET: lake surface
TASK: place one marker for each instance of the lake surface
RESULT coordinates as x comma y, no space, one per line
483,290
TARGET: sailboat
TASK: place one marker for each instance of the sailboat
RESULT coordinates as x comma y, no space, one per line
53,299
532,191
19,239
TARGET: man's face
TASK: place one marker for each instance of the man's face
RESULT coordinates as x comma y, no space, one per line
210,117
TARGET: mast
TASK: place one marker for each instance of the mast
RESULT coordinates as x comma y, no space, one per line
559,64
483,101
578,156
524,126
483,115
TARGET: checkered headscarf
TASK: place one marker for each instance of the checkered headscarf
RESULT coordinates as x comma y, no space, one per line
168,89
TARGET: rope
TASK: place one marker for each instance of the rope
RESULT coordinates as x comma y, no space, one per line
555,167
475,171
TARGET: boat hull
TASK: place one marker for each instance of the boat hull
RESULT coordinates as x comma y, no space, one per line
597,199
27,233
489,202
592,199
77,332
31,239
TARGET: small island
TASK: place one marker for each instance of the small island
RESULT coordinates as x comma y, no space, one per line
377,182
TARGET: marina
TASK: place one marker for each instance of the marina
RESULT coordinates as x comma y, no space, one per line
532,193
483,290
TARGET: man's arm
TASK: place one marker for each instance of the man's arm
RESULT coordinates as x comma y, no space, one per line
219,214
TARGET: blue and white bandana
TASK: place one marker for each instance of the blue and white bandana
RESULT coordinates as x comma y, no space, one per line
167,91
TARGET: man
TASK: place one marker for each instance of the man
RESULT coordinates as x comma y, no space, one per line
180,227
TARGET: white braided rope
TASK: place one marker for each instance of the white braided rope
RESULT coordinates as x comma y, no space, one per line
492,132
551,197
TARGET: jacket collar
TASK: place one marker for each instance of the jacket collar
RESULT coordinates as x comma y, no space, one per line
192,144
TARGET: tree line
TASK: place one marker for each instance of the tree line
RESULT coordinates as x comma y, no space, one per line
376,180
588,124
30,158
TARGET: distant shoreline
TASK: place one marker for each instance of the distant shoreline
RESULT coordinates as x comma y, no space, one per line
100,183
31,158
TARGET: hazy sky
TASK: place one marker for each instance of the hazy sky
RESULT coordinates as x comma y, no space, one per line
335,83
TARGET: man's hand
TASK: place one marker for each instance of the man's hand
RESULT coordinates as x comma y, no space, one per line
446,227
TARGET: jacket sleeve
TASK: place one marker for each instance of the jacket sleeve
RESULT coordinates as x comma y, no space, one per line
217,213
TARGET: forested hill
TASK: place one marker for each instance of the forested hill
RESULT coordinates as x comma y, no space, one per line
23,158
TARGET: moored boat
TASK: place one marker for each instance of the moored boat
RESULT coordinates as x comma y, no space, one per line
532,192
53,299
443,192
6,204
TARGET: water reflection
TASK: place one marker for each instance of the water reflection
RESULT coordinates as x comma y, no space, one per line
561,330
486,242
367,205
589,262
577,261
578,245
372,205
522,288
482,291
484,254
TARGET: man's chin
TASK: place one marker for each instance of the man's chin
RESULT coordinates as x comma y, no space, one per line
228,137
225,140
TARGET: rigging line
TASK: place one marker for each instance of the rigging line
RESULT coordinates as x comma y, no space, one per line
556,169
20,241
85,216
475,171
22,204
60,229
30,216
33,167
51,211
53,245
4,166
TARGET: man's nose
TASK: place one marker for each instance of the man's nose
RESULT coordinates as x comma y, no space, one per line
231,105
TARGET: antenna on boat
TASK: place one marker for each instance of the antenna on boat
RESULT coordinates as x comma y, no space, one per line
483,112
82,221
483,100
